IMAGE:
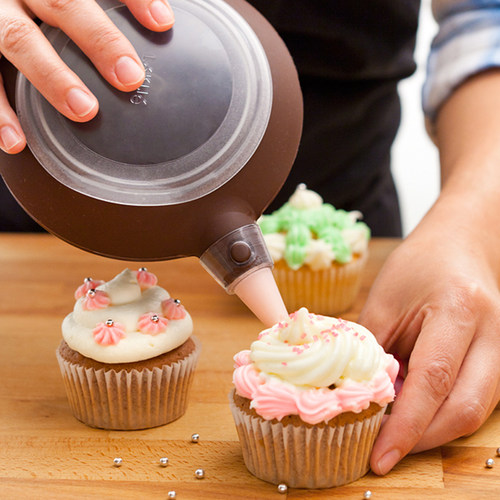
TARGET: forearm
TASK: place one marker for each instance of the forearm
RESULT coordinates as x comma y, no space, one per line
467,132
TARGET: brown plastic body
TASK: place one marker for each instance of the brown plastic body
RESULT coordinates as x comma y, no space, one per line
171,231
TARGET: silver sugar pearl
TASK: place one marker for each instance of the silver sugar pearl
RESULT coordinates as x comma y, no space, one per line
367,494
163,461
117,462
172,494
489,463
195,438
109,322
282,488
91,292
86,280
155,318
143,269
199,473
177,302
498,452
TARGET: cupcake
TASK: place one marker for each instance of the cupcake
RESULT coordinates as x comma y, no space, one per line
128,355
319,252
309,399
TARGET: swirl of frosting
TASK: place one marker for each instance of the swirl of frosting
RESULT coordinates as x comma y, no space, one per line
95,299
130,307
145,278
303,222
316,367
88,284
173,309
152,323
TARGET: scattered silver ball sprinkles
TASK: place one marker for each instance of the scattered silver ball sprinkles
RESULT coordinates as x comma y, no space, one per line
199,473
195,438
117,462
489,463
163,461
172,494
367,494
282,488
109,322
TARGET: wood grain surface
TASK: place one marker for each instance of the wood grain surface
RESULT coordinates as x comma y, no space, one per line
45,453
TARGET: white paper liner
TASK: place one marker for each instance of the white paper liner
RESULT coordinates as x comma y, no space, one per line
121,400
327,291
306,457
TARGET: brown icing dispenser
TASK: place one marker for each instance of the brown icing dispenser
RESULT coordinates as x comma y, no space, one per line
184,165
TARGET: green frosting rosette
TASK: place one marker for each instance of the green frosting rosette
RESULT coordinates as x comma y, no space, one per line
306,231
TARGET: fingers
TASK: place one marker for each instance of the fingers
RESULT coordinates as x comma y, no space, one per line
108,49
24,45
12,139
433,368
157,15
474,396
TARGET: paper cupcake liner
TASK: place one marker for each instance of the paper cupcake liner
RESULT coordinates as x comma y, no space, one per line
327,291
128,400
306,457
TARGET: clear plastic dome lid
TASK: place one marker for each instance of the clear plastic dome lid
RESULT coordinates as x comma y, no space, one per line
194,123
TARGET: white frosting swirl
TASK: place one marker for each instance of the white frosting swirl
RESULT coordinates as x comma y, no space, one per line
304,198
128,304
313,351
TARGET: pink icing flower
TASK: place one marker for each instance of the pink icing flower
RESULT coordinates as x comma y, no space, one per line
242,358
88,283
173,309
108,333
152,323
95,299
145,278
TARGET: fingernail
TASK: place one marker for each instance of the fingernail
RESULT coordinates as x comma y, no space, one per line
128,71
10,138
80,102
161,13
388,461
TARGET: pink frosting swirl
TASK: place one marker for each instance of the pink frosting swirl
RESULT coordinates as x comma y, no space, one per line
173,309
272,398
88,284
108,333
95,299
145,278
152,323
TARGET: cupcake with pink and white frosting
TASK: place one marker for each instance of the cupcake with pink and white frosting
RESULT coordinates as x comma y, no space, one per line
313,389
128,354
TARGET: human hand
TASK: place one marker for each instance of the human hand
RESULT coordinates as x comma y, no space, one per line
436,302
25,46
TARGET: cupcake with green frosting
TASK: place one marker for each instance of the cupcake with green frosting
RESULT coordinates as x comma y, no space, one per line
319,252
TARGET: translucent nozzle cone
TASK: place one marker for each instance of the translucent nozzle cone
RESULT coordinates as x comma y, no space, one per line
259,292
240,262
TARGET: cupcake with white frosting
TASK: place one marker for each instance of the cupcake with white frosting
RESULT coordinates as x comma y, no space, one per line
128,354
319,252
309,399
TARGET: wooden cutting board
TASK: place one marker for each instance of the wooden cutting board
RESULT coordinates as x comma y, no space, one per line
45,453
